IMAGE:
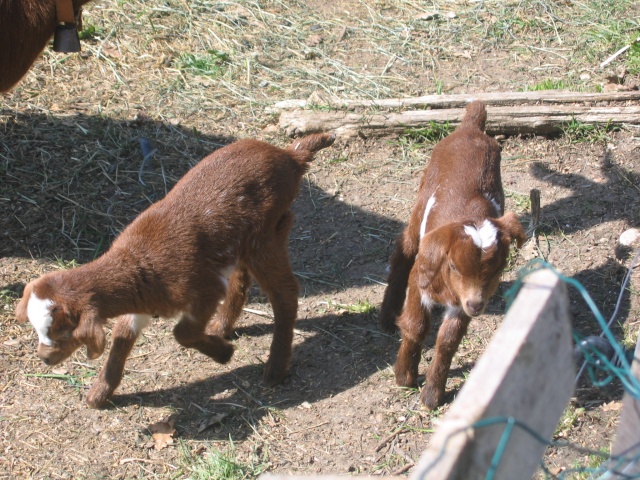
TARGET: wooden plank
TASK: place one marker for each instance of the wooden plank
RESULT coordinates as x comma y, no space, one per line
527,373
461,100
627,440
535,119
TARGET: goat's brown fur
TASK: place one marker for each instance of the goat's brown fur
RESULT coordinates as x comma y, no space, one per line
229,215
437,262
25,28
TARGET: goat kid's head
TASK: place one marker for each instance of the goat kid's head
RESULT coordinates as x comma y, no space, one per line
61,329
461,263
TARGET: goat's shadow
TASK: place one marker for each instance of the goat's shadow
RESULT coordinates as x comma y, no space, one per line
613,195
323,365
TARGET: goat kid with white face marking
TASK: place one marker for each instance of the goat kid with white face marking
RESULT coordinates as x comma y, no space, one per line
226,222
452,252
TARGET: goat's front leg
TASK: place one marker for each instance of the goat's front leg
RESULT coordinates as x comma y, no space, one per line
414,323
401,263
453,329
124,335
237,292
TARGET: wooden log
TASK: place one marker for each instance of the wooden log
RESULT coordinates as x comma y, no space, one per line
627,441
459,101
526,373
536,119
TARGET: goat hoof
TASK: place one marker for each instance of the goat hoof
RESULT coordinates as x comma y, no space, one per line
388,328
222,351
388,324
273,377
405,379
98,395
431,398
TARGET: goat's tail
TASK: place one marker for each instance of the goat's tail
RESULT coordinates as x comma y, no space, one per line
475,116
305,147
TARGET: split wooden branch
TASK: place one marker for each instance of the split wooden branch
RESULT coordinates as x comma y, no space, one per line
539,112
538,119
544,97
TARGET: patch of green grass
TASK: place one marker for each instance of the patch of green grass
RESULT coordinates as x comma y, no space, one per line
219,465
63,264
568,420
633,59
78,380
211,64
430,134
594,462
609,27
548,84
7,297
337,160
577,131
90,32
361,307
439,86
521,201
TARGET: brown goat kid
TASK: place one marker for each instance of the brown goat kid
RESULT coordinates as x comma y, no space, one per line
25,28
452,253
227,220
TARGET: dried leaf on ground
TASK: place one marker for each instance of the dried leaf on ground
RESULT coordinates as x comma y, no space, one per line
162,432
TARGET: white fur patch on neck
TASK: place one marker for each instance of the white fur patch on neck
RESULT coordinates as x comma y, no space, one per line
39,313
430,204
482,237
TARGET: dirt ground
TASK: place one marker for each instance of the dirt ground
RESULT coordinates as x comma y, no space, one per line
72,176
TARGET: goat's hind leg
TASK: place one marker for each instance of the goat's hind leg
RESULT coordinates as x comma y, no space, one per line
229,312
414,323
272,270
190,333
401,263
124,335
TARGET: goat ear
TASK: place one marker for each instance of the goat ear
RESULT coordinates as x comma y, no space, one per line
21,308
512,228
432,254
90,332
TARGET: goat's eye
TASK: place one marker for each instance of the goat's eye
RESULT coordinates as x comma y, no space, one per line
453,267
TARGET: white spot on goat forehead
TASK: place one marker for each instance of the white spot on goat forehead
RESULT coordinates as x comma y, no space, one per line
430,205
482,237
39,313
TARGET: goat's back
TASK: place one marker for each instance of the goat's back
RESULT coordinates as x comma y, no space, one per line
227,206
464,172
